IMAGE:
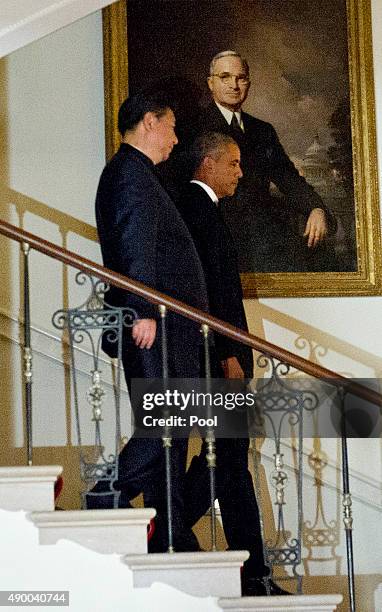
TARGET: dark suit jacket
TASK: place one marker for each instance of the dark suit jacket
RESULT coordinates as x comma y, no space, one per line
218,255
234,486
143,236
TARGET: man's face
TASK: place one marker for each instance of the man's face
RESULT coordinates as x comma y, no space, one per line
226,171
164,136
230,83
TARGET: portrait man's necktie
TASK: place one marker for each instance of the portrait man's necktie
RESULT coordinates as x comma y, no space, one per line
235,125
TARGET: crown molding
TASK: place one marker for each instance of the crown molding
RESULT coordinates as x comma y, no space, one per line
23,22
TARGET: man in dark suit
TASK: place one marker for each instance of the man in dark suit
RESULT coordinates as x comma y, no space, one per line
143,236
216,161
263,226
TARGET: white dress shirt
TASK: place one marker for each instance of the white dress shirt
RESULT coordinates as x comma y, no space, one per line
227,114
209,191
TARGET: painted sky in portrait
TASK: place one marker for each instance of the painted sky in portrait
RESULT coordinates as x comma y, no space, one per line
297,51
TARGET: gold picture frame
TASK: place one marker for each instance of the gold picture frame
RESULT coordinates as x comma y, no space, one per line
367,280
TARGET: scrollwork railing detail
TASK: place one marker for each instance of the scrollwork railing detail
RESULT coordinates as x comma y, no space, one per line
92,326
281,401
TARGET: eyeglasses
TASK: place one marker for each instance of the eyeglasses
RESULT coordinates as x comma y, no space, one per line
225,77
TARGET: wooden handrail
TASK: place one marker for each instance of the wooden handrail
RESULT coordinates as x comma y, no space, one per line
155,297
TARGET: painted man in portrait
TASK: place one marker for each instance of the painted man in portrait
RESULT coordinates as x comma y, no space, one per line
271,197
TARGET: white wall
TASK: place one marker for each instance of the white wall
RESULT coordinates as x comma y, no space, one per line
53,125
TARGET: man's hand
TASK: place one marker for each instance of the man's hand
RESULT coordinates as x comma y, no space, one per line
232,368
143,333
316,227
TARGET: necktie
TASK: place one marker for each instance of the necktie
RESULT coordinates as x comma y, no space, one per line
235,125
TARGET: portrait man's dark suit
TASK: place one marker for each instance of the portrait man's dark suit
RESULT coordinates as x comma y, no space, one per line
235,491
143,236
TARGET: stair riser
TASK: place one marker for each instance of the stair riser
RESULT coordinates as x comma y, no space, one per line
115,539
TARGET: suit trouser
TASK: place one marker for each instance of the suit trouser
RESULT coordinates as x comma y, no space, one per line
237,500
234,490
141,461
142,469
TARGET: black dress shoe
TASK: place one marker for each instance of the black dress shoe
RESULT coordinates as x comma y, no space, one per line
256,587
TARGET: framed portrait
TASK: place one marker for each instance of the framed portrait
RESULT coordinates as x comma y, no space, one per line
311,73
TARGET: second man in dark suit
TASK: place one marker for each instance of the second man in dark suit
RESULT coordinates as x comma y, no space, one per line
216,160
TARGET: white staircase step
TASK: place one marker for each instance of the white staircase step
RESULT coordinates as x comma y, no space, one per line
215,574
106,531
28,487
286,603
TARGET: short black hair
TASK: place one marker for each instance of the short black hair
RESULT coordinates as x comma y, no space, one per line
208,144
134,108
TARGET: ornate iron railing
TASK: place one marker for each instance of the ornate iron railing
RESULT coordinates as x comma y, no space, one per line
273,394
92,321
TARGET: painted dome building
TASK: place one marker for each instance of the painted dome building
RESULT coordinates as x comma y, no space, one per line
315,167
